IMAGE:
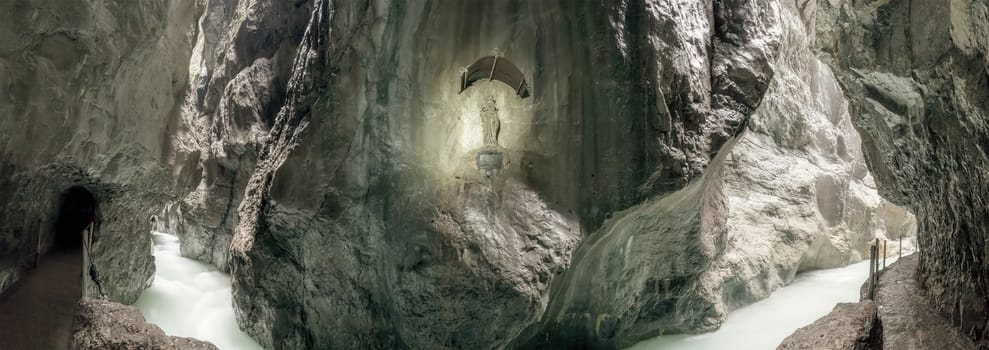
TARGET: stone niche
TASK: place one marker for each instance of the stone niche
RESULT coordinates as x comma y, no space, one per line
489,157
477,133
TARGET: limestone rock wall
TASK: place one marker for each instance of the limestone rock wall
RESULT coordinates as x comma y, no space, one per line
675,160
89,96
916,74
357,160
394,226
238,70
790,193
800,194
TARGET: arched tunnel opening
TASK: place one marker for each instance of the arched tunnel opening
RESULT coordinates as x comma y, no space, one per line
38,311
76,211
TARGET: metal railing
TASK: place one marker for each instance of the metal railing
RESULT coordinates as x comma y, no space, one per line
874,264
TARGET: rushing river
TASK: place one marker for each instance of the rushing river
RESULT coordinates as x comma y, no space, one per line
191,299
764,325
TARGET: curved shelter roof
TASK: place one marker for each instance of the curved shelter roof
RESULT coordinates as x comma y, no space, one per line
495,68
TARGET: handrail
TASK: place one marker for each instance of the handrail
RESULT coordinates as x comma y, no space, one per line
874,265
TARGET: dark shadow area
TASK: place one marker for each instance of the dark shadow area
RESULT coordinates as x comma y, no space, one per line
36,312
76,210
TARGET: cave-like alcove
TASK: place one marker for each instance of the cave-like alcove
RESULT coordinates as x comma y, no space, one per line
76,210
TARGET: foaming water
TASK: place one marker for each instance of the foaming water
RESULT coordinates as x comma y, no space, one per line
191,299
765,324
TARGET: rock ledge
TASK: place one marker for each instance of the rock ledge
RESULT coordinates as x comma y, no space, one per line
100,324
848,326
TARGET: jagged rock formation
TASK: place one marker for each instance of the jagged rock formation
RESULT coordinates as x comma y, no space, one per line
238,71
323,153
100,324
916,76
388,176
791,193
799,168
376,227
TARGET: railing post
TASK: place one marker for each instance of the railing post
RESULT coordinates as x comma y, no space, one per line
37,248
872,271
877,257
884,254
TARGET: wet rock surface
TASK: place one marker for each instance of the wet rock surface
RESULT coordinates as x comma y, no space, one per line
684,159
101,324
915,73
909,320
850,326
900,316
379,195
790,193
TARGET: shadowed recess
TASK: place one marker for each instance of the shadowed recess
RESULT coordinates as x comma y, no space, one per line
495,68
77,209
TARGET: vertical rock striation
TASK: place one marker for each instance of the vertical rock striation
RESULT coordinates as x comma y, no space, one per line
238,71
675,160
916,76
790,193
364,192
362,197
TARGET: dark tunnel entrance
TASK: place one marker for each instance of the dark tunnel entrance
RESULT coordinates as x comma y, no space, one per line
76,210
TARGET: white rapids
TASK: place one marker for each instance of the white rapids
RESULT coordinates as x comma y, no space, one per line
191,299
764,324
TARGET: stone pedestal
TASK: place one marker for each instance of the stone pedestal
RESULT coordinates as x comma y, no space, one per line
489,163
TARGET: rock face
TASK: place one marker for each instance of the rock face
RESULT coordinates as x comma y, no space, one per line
799,193
675,160
790,193
100,324
916,74
395,227
88,96
850,326
373,239
238,71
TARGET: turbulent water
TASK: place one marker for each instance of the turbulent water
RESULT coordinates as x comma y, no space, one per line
191,299
765,324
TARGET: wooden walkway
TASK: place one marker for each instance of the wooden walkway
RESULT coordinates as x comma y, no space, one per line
36,312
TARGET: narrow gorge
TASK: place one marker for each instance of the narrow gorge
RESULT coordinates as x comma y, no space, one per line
503,174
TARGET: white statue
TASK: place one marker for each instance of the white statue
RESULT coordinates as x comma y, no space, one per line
490,123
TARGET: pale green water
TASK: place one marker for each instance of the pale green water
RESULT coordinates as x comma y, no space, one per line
764,325
191,299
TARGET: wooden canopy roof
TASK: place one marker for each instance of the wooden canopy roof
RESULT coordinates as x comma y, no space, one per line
495,68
